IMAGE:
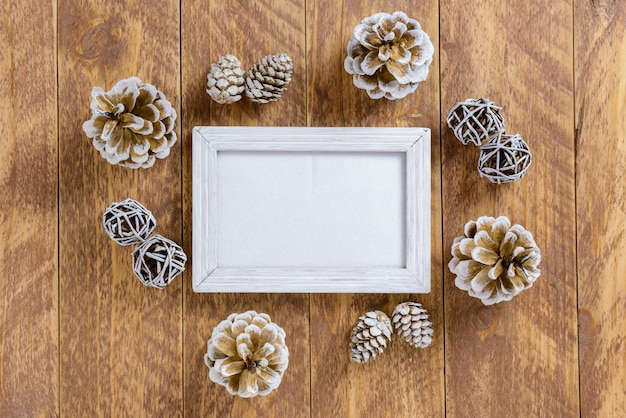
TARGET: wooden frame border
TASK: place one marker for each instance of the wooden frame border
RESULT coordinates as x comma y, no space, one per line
209,277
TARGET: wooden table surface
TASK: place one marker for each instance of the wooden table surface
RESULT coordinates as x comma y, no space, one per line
81,337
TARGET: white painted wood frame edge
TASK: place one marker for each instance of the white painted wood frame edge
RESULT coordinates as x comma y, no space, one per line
207,276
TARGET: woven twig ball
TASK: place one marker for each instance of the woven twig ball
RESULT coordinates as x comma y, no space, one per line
158,261
128,222
475,121
504,159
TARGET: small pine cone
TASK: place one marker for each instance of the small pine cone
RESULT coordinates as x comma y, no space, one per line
267,80
226,81
369,336
247,354
128,222
411,322
158,261
388,55
494,261
132,124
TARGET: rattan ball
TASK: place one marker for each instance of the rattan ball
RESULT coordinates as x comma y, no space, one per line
504,159
158,261
128,222
475,121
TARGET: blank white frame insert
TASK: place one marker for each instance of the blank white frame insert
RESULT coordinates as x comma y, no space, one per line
333,210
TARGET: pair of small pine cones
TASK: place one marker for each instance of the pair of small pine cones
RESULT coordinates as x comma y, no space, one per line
373,331
265,82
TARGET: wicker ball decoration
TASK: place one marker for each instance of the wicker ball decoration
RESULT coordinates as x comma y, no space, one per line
504,159
475,121
247,354
128,222
494,261
388,55
158,261
132,124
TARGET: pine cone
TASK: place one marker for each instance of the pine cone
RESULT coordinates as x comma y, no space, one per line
369,336
411,322
132,124
494,261
247,354
268,79
388,55
225,82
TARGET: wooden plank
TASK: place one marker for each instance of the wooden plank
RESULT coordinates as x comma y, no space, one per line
121,342
249,31
404,381
517,358
29,345
600,47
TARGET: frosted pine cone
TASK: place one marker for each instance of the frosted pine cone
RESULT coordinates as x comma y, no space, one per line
225,82
388,55
494,261
247,354
411,322
370,336
132,124
267,80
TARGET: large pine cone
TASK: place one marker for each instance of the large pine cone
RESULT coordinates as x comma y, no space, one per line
267,79
494,261
132,124
370,336
247,354
388,55
410,321
225,82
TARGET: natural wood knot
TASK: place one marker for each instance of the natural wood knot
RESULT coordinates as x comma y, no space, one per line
586,325
605,9
101,39
483,317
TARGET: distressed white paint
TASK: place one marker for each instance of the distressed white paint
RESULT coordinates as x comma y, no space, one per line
209,276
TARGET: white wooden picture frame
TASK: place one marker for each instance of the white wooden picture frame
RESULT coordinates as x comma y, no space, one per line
301,189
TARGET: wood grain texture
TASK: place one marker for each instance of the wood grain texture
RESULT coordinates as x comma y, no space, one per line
29,346
517,358
600,47
121,342
249,30
403,382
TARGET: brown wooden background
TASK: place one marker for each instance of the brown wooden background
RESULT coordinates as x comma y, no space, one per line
81,337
